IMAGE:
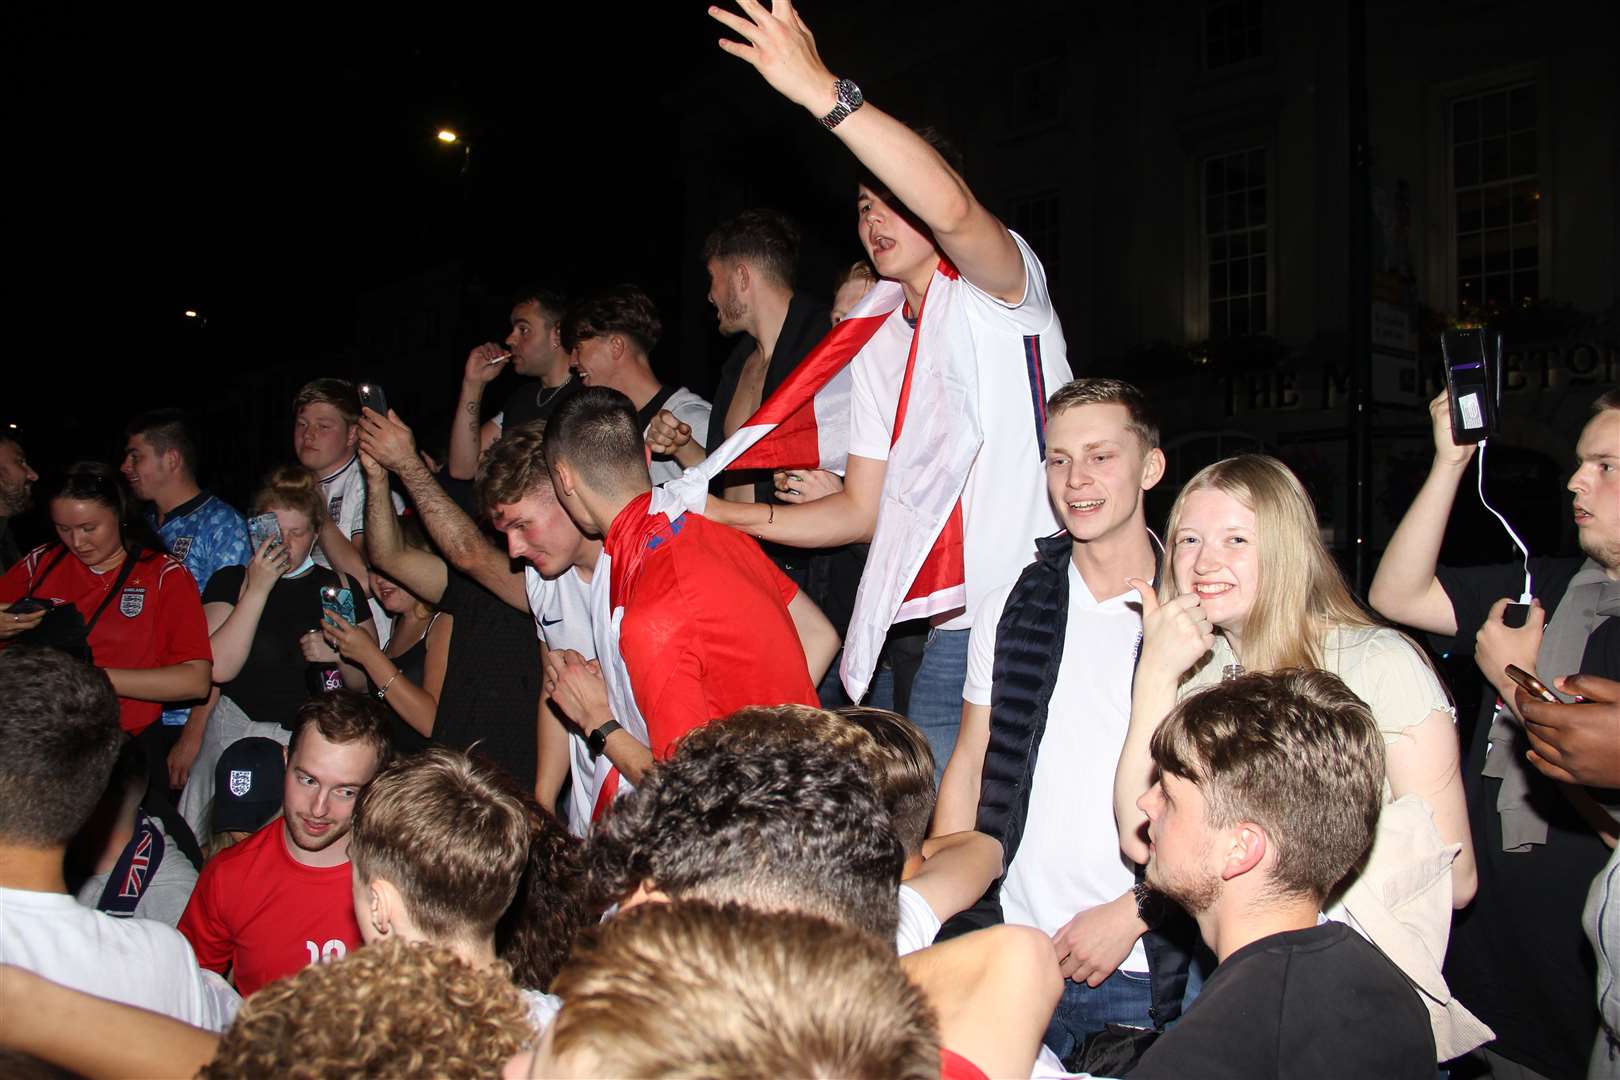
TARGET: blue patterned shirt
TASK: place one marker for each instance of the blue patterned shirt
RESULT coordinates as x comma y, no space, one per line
205,533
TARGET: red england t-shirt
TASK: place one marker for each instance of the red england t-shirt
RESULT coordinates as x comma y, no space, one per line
706,628
155,620
259,910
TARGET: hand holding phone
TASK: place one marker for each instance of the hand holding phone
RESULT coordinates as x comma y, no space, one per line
262,527
373,398
338,601
1532,685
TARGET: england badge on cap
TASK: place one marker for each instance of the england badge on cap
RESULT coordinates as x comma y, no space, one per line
241,782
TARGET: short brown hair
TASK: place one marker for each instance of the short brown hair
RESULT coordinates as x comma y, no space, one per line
725,991
345,716
624,310
1293,751
595,431
1079,392
902,765
338,393
514,466
765,238
389,1009
1609,399
291,487
449,834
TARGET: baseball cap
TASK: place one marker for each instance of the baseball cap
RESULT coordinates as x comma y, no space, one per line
247,784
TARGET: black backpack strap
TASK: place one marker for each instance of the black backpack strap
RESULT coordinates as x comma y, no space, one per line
118,585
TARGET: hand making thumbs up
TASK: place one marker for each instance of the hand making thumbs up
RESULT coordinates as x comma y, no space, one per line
1174,634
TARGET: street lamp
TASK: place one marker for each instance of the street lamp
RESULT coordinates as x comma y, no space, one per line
448,137
451,137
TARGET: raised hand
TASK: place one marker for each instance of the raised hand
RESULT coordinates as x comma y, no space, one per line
782,50
387,440
1174,634
1446,451
665,434
267,565
485,363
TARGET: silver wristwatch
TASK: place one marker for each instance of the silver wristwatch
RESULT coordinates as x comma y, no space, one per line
850,98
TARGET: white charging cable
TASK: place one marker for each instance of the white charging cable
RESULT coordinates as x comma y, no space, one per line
1525,598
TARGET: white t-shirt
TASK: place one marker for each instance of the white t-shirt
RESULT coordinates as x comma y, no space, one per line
133,961
1069,860
918,923
165,897
345,493
1022,359
688,409
543,1009
562,619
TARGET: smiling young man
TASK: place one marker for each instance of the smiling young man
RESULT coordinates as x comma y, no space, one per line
283,898
965,321
610,335
1034,764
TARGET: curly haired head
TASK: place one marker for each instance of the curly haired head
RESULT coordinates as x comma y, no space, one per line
726,991
390,1009
538,930
739,813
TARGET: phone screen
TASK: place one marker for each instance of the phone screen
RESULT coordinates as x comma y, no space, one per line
372,397
263,527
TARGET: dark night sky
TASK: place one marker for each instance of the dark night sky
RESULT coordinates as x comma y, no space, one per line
266,176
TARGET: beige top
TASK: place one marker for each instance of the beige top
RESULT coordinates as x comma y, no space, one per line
1401,899
1381,666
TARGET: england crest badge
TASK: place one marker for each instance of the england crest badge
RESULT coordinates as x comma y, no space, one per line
181,547
132,602
241,782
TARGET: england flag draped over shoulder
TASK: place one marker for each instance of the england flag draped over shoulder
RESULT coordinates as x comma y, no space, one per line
915,566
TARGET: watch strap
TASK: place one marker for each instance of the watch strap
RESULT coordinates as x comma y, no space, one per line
596,741
850,98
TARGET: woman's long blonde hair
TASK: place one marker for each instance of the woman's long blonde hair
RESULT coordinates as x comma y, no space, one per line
1302,594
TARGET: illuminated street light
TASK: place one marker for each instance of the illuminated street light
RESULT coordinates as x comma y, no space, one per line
192,314
447,136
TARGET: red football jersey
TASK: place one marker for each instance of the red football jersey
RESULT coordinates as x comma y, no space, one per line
259,910
155,620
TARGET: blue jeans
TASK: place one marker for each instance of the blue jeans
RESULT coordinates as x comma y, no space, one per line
879,695
936,695
1123,998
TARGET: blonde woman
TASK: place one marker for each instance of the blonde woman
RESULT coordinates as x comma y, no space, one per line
1250,587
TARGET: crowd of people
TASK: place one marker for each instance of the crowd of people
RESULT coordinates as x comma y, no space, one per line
857,722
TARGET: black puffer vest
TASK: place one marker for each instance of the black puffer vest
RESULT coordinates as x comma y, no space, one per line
1029,650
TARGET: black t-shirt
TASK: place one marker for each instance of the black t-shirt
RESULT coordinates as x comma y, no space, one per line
534,400
1518,958
1317,1004
272,685
491,680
